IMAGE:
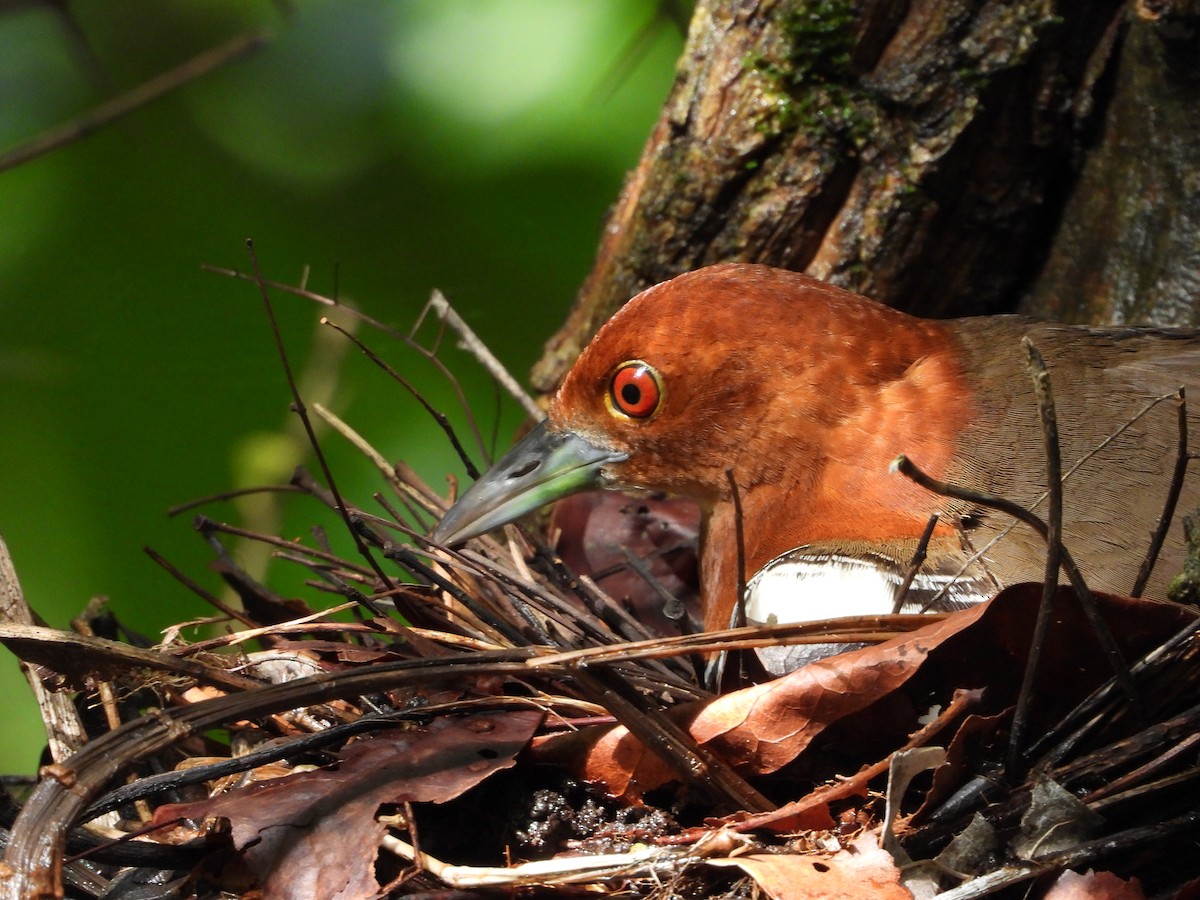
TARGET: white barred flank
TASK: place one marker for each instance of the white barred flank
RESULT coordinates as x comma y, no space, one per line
812,585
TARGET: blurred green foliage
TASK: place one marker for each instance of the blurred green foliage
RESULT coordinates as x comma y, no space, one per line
389,147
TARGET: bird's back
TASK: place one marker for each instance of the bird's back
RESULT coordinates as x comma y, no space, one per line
1119,446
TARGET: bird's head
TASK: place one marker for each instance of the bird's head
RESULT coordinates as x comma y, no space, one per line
732,368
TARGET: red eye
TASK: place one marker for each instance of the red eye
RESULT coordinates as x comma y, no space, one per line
635,390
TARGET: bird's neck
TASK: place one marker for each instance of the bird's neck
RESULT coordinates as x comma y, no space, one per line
841,492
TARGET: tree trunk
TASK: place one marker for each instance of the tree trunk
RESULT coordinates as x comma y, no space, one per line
948,157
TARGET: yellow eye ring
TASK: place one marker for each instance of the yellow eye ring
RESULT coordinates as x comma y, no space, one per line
635,390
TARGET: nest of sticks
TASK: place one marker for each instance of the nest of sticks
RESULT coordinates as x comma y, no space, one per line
486,722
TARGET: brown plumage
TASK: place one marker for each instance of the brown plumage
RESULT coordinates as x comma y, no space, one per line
807,392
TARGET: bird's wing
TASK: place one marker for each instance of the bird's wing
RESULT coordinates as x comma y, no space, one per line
1118,440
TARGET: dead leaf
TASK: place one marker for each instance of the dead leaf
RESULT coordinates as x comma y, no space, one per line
1093,886
765,727
859,872
596,529
904,767
1056,820
315,834
762,728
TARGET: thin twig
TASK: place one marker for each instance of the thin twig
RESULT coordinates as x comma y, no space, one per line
205,525
714,671
306,294
1168,513
470,342
413,510
1138,780
408,341
81,48
386,469
961,703
1095,451
1093,709
910,470
407,557
1045,403
553,873
1079,463
439,417
846,630
673,607
195,588
914,473
613,614
695,763
739,609
636,49
1081,855
232,495
302,412
918,560
144,93
566,615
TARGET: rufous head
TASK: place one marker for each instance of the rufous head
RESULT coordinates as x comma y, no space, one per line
732,368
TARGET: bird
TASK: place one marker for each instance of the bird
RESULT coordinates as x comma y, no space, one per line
779,402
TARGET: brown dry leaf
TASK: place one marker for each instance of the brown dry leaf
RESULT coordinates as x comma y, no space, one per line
992,653
762,728
200,693
767,726
596,529
862,870
315,834
1091,885
965,749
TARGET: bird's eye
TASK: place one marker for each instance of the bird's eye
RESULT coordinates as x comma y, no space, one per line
635,390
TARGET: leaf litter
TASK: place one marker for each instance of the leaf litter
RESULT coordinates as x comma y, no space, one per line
494,719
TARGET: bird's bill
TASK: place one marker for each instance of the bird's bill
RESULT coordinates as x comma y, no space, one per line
547,465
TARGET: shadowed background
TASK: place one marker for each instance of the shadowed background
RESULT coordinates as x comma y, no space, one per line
392,147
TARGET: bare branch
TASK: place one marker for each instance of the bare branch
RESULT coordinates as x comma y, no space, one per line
143,94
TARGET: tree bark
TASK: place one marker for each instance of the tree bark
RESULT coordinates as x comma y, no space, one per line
948,157
1128,246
